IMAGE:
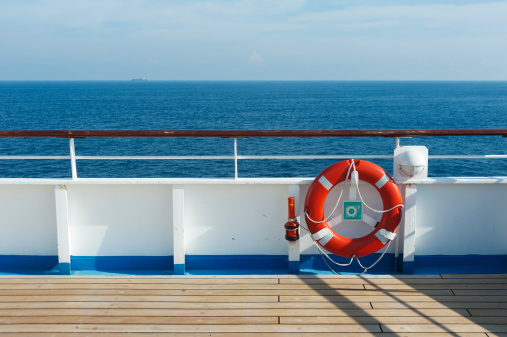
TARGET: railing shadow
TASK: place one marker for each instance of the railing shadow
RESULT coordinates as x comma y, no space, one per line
394,305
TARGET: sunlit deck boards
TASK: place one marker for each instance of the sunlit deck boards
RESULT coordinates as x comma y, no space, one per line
439,305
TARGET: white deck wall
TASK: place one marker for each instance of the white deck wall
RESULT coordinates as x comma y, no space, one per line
28,220
133,217
461,219
235,219
120,220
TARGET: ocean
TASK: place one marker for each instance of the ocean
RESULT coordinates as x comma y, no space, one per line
154,105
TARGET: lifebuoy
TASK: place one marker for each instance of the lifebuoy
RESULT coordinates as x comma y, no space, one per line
383,232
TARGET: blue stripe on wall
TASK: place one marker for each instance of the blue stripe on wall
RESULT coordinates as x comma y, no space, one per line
384,266
242,262
119,263
250,264
460,264
28,262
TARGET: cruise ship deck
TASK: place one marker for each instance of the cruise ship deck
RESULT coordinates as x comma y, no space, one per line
260,305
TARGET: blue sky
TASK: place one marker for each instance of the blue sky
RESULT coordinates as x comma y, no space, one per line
253,40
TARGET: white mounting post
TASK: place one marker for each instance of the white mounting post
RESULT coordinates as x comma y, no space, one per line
409,229
294,248
62,229
354,181
397,247
235,158
179,229
73,158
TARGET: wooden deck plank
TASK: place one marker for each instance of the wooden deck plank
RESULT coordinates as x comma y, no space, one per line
140,298
379,296
489,312
472,276
394,320
252,286
394,281
230,292
48,304
452,286
445,328
439,305
252,299
178,286
248,334
181,305
190,320
234,312
257,328
481,292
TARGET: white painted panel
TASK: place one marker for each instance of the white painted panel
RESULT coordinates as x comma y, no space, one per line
461,219
28,220
130,220
241,219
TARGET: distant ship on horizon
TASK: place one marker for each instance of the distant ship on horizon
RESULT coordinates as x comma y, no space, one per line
141,79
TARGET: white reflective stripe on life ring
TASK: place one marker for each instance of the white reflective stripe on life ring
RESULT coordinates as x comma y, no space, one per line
382,181
385,236
326,183
326,238
320,234
324,235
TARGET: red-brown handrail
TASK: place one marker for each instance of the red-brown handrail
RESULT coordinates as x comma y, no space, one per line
253,133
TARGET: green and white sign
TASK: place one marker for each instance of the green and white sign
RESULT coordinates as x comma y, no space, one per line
353,210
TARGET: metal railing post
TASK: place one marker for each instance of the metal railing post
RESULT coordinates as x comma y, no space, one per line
73,158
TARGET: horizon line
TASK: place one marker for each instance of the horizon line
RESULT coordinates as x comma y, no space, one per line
158,80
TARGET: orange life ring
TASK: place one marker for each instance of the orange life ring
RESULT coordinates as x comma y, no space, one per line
383,232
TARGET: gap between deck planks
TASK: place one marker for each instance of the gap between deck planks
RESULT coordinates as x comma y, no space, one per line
360,306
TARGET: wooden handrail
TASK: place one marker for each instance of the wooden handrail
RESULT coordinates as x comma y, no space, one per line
253,133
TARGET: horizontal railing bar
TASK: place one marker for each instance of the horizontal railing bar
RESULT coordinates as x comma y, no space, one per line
320,157
153,157
488,156
33,157
253,133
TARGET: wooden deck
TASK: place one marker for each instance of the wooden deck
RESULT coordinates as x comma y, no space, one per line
434,306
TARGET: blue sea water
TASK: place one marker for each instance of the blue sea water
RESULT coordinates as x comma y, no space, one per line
245,106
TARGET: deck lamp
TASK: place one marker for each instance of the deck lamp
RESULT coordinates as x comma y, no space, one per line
410,162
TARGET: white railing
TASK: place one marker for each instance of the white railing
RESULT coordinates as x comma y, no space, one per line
397,134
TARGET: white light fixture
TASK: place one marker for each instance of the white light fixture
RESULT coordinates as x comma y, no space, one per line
410,162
